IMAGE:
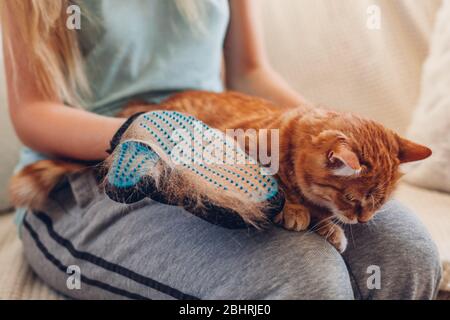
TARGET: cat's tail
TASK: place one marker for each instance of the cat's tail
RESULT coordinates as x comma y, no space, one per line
31,186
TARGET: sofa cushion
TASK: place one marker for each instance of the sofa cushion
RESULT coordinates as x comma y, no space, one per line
17,280
431,121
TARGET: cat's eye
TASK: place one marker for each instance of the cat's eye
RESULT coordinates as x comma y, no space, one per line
367,166
371,193
349,197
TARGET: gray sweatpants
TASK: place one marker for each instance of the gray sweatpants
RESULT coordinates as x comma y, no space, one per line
154,251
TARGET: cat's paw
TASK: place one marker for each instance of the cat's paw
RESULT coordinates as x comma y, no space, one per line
335,235
293,217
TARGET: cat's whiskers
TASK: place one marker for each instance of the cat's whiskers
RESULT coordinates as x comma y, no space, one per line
373,201
319,225
344,226
351,234
325,223
382,211
381,186
371,223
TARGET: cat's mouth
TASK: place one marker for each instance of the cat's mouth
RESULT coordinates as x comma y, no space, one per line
340,215
352,218
348,217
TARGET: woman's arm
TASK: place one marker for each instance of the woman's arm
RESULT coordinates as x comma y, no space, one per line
247,67
47,125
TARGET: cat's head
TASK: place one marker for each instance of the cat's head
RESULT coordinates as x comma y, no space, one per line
352,166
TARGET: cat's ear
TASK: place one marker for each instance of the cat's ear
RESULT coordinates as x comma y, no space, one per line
343,160
410,151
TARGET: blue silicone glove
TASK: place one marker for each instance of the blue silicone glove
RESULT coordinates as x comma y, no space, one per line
178,160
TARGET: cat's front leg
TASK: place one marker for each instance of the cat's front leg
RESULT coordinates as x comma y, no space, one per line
333,233
294,217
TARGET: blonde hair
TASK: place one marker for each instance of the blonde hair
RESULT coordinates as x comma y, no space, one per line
53,51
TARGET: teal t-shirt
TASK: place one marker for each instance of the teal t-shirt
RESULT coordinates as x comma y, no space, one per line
146,50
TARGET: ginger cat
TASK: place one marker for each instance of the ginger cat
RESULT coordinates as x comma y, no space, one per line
334,167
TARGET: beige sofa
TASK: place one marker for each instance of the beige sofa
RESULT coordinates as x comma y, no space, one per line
327,52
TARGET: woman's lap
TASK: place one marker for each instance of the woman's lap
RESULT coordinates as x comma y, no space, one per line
154,251
397,243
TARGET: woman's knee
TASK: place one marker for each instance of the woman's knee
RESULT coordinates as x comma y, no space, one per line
324,275
420,266
403,249
307,267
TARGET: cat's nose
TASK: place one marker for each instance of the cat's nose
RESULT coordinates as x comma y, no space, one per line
365,217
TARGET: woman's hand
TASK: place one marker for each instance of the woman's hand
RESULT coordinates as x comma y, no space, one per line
247,66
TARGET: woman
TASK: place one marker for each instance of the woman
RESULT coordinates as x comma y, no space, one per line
147,50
